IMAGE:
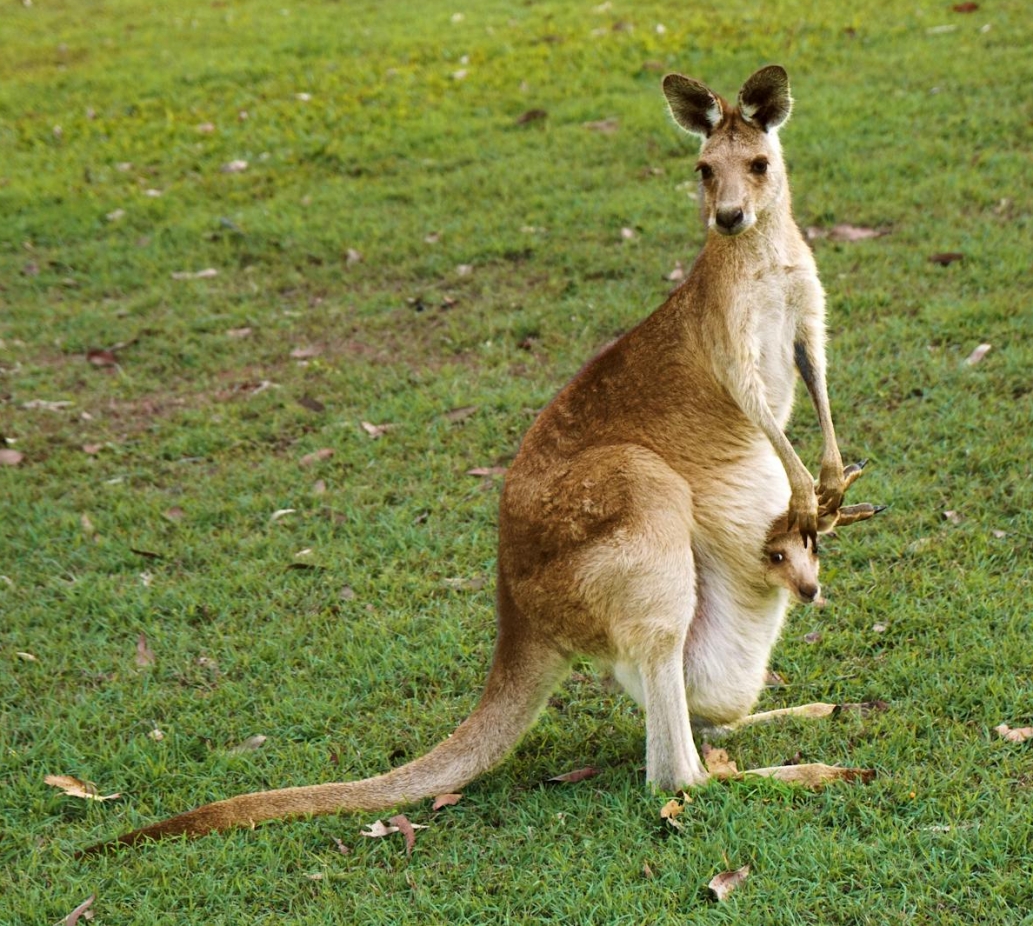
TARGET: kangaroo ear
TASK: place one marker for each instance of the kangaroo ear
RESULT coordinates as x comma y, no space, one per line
695,108
764,99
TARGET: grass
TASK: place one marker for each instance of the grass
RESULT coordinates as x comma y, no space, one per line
359,135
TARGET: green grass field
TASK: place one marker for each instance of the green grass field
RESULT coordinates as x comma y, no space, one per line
432,218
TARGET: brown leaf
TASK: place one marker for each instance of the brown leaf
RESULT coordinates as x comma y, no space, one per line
87,526
406,829
532,115
813,775
978,354
318,456
952,516
341,847
487,471
205,274
144,653
670,811
718,763
76,787
466,584
249,745
313,405
946,258
92,449
9,457
174,514
305,353
376,431
846,232
83,909
1014,736
965,7
677,274
456,415
445,800
812,637
577,775
722,885
234,167
101,358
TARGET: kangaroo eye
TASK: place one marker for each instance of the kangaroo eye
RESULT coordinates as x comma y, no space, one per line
705,171
776,558
759,166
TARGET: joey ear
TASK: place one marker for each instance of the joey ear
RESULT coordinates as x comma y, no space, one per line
694,107
764,99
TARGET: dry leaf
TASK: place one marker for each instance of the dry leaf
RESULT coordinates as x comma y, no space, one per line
205,274
238,333
812,711
10,457
487,471
471,584
76,787
432,238
460,414
952,516
234,167
722,885
812,637
92,449
115,215
718,763
101,358
813,774
946,258
281,513
965,7
378,829
318,456
376,431
174,514
87,526
144,654
677,274
82,910
978,354
46,405
577,775
249,745
1014,736
670,812
401,821
156,735
532,115
26,657
445,800
846,232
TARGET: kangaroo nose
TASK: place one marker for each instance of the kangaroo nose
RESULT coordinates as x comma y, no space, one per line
729,218
809,592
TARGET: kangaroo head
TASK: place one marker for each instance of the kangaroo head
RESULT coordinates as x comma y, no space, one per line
789,564
740,162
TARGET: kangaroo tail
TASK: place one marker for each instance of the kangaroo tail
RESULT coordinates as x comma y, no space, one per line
522,677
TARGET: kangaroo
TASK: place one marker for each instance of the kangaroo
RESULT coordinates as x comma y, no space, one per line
792,564
633,519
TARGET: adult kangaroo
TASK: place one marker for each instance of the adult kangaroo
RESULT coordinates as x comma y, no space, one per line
633,521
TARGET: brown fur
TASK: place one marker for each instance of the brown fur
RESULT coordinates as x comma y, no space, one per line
633,520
